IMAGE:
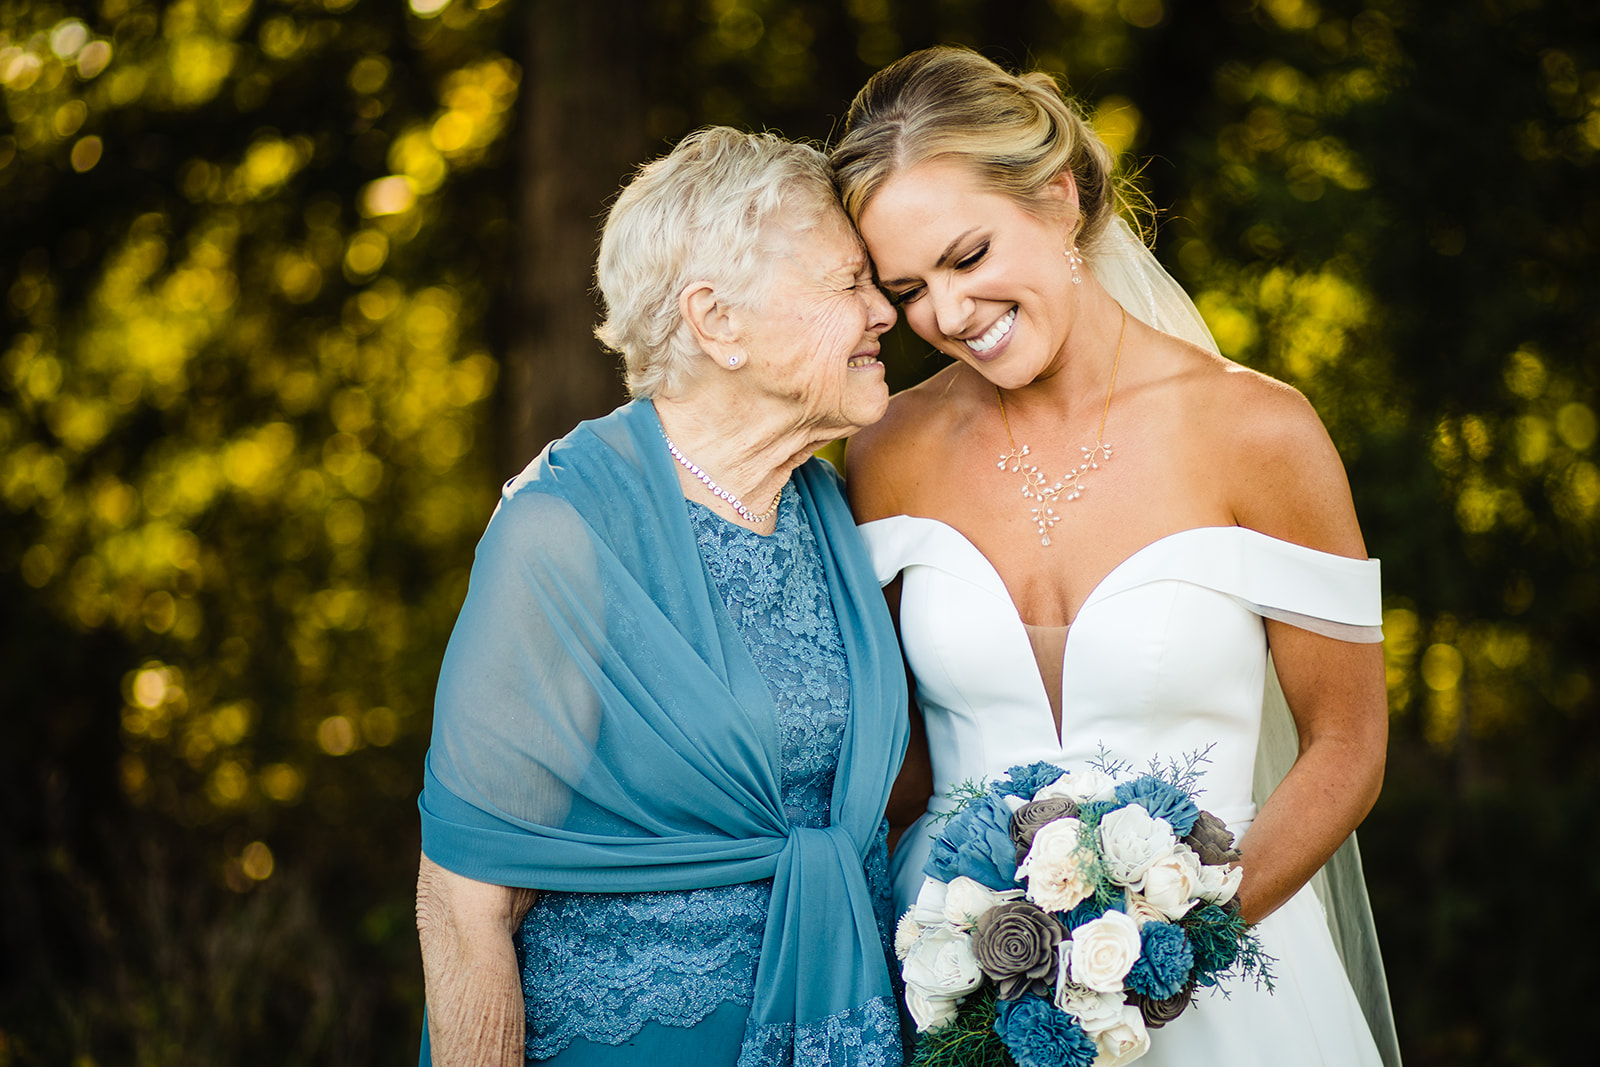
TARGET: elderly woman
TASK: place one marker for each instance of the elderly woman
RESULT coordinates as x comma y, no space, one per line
672,707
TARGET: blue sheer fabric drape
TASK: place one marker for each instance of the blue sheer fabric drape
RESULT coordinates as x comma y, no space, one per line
601,726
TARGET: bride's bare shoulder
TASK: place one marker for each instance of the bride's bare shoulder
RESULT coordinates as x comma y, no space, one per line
1284,476
889,463
1231,403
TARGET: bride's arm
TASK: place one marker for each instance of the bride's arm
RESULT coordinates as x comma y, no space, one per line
1295,489
1337,695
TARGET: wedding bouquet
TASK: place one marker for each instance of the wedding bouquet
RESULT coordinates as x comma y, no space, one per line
1066,914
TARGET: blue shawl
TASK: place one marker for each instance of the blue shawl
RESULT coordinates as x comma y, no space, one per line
600,726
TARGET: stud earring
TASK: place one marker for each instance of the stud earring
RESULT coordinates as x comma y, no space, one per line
733,361
1075,263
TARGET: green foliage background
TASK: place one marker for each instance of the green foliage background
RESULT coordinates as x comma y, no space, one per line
256,261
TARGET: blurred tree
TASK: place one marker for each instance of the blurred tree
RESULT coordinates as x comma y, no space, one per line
248,251
1394,207
584,126
1399,215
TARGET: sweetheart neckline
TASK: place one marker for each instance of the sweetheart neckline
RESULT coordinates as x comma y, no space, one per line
985,575
1001,590
994,572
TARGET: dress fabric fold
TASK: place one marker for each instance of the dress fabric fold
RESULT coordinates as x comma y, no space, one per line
600,725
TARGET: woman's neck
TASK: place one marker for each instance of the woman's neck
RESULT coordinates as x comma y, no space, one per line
746,451
1079,375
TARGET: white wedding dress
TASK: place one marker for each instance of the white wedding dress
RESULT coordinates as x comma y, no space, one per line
1167,656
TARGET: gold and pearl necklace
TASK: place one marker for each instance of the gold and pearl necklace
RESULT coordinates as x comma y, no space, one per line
1034,485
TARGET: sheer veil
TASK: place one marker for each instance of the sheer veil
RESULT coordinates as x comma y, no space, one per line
1131,274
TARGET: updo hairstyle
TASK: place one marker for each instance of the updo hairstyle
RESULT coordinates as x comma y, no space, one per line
716,208
1016,130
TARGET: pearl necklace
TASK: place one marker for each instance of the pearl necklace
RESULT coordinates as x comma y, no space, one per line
1033,479
717,491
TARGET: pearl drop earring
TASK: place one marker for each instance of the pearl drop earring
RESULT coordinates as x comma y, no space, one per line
1075,261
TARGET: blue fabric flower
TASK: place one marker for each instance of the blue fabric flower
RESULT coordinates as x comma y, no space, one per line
1164,963
1162,800
976,843
1087,912
1028,779
1038,1034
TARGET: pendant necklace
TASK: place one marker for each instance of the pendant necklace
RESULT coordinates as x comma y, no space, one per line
717,491
1034,485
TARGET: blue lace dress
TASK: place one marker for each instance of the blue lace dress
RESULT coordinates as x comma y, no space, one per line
604,973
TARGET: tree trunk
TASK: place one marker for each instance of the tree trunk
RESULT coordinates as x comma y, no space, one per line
583,130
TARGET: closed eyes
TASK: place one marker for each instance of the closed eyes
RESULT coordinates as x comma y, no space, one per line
966,262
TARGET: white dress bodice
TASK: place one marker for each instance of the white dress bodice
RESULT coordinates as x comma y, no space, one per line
1167,656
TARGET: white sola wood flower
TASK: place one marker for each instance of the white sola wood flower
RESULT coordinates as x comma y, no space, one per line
1094,1011
1124,1041
929,907
966,900
1172,883
1081,787
1103,951
1115,1026
939,970
929,1012
1060,874
1131,840
905,935
1218,884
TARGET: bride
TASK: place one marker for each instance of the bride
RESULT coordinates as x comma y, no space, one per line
1093,528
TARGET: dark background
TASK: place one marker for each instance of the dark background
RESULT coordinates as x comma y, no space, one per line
290,287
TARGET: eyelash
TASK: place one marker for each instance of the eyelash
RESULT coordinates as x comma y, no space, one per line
899,300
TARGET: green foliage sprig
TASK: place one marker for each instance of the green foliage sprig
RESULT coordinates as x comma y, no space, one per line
1221,942
1182,772
968,1040
960,795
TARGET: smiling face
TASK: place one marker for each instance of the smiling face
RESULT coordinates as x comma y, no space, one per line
813,343
978,277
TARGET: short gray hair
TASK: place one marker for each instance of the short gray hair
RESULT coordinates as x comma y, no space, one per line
707,211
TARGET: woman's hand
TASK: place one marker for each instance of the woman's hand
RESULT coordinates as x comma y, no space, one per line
474,994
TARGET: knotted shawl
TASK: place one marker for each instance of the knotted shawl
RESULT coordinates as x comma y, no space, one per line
600,726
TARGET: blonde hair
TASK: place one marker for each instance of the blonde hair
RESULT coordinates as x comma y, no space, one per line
713,209
1017,131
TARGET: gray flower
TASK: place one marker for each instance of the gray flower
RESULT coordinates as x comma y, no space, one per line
1015,944
1158,1013
1026,820
1211,841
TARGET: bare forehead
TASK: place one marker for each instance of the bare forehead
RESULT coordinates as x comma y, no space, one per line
828,247
927,214
912,209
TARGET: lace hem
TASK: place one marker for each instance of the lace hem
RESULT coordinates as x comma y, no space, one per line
868,1036
599,967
